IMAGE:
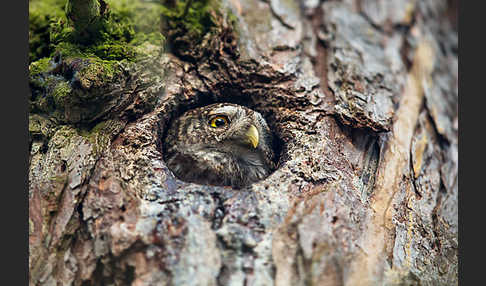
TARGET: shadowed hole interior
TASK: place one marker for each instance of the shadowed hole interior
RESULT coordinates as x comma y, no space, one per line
226,95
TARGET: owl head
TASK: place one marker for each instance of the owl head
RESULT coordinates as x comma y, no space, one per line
220,144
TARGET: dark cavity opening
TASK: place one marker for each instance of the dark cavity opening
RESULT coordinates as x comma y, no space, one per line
226,94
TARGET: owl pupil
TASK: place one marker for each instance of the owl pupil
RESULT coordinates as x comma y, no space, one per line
219,122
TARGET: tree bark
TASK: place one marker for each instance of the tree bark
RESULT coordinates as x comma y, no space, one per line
362,95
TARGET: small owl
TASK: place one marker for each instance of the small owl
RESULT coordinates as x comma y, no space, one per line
220,144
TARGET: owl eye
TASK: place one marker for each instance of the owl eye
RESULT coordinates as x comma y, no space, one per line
219,121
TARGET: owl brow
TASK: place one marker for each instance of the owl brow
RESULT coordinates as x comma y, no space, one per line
224,110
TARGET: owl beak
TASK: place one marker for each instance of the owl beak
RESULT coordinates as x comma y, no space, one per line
252,136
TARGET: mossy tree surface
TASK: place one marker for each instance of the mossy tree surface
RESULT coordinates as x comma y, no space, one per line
361,94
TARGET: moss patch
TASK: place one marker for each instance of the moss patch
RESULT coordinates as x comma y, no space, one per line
61,92
194,17
42,14
71,79
101,134
40,66
187,22
76,89
125,26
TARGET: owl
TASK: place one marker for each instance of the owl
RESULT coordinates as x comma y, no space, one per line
220,144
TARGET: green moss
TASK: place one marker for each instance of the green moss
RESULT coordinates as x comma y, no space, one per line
42,14
232,18
193,21
60,179
98,73
61,93
40,66
114,51
116,37
52,93
128,33
99,136
100,127
112,44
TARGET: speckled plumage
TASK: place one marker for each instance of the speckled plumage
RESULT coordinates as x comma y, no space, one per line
197,152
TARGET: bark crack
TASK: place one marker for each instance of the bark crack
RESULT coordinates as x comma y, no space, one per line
394,161
278,17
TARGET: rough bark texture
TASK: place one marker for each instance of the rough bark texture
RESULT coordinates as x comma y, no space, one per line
363,96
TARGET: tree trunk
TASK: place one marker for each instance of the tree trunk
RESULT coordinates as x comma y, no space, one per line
362,95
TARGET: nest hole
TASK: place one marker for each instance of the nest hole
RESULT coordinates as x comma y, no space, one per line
225,95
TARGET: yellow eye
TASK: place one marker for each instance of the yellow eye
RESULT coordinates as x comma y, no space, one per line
219,121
